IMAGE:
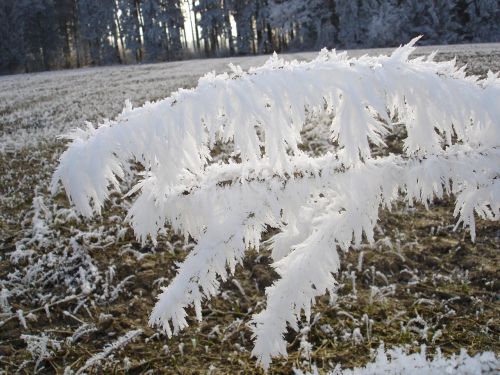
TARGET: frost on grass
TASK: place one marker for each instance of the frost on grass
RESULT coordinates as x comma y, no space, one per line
318,204
54,267
398,361
40,347
109,349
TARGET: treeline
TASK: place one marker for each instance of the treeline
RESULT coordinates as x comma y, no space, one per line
53,34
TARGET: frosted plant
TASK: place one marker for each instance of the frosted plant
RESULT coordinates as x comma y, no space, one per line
398,361
40,347
83,330
116,345
4,300
319,204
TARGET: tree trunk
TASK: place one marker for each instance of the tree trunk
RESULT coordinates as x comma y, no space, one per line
119,30
196,42
196,30
76,34
139,26
227,26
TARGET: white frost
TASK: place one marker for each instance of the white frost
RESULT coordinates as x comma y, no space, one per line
397,361
319,203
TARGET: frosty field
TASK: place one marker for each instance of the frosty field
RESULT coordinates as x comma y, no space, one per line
76,293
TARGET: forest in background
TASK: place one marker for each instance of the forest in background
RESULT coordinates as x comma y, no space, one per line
37,35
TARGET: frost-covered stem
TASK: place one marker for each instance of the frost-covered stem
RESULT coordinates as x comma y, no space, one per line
44,307
115,345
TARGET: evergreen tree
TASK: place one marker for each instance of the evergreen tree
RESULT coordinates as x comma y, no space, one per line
174,20
242,11
435,20
211,24
349,26
304,23
382,23
37,37
265,40
11,56
97,22
163,25
483,21
52,34
130,20
154,34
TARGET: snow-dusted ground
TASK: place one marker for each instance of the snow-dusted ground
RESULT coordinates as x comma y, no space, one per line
44,243
41,106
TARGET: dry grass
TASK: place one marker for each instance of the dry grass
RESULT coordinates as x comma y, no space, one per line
454,289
